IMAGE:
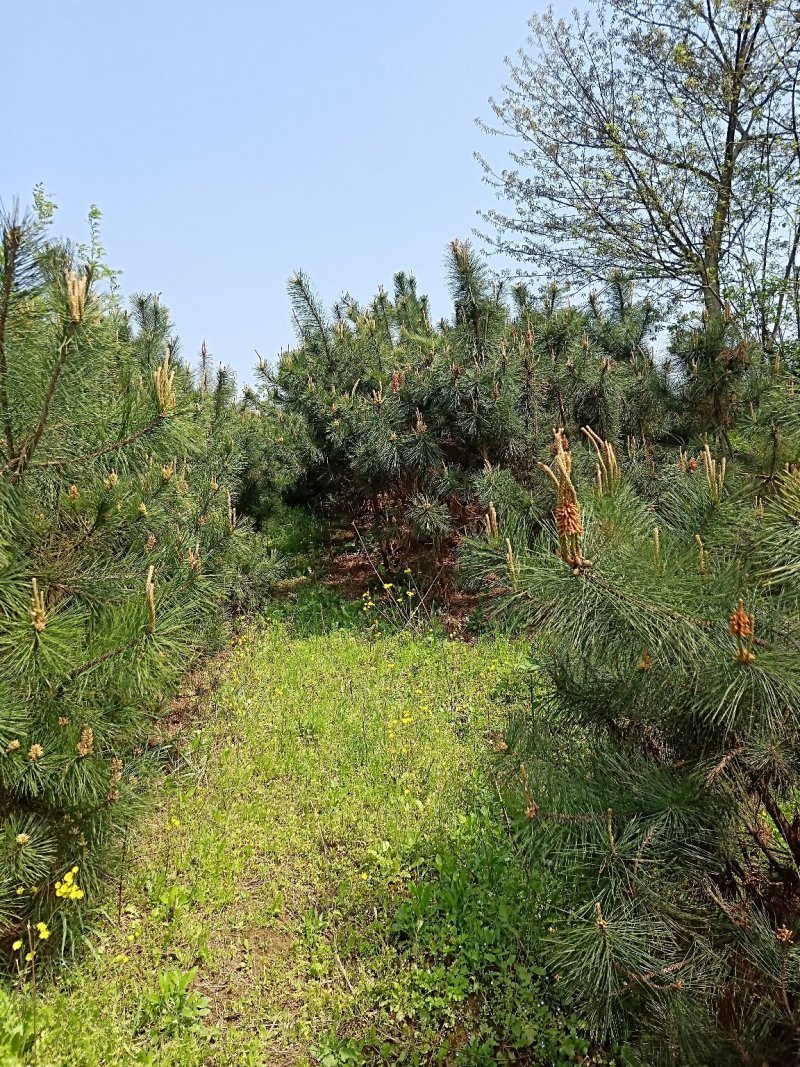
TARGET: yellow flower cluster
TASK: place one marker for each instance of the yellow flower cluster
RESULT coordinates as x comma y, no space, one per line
43,933
68,888
392,724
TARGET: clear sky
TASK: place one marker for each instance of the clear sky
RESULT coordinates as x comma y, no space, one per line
230,142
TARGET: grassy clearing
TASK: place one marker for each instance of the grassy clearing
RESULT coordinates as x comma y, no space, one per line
328,877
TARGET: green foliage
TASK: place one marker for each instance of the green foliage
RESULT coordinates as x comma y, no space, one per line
335,1051
410,430
470,937
174,1008
658,137
661,753
119,544
393,418
17,1034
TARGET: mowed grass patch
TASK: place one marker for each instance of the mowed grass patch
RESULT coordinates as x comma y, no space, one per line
329,877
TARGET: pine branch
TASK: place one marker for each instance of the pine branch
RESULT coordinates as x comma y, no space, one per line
30,445
104,658
12,238
113,447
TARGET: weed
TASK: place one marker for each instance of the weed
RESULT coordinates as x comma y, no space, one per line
333,1051
173,1009
169,899
17,1034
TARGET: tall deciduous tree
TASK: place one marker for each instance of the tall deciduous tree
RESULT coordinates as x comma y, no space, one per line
659,138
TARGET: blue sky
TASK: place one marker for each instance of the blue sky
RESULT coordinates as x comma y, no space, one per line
230,143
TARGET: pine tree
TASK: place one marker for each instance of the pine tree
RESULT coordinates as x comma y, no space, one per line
401,413
119,539
659,767
413,429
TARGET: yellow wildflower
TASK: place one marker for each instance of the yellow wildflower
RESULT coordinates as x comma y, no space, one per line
17,945
68,888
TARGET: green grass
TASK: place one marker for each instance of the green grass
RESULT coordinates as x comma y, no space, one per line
327,876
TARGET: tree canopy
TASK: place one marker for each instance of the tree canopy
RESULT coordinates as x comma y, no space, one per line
660,139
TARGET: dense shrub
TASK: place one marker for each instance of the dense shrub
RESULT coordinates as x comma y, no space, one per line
410,429
119,540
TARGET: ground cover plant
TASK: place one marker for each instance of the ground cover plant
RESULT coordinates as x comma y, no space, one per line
329,878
